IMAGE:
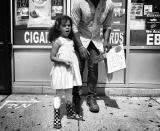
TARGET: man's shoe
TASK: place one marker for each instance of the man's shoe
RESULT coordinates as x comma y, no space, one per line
93,106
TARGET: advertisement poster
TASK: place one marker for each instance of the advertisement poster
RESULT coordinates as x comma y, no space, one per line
153,21
116,59
39,13
148,9
136,10
119,13
153,29
21,12
56,8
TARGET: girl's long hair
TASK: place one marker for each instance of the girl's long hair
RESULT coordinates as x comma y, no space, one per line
54,31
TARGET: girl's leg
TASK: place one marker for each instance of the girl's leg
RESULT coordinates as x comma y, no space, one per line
69,107
57,104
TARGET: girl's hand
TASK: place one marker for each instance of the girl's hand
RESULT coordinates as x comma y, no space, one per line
67,63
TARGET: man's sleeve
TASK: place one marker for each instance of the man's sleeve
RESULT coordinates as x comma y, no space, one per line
108,20
76,15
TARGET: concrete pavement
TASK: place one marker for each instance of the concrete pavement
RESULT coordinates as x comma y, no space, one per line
117,113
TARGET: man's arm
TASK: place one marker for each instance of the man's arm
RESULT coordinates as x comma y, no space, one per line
76,18
106,45
107,28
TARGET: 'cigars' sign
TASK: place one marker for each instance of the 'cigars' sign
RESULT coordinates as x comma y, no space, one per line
31,37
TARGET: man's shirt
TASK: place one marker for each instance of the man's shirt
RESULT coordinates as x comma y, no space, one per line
90,21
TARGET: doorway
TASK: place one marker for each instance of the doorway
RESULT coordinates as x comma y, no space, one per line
5,48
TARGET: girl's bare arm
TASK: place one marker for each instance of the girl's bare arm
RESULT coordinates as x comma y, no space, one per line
55,47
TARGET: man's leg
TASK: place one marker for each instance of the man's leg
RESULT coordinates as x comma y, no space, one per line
76,89
92,78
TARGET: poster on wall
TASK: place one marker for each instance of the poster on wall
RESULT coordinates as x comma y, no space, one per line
56,8
39,13
21,12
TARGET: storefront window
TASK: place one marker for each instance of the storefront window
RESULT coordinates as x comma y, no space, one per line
145,22
33,18
118,26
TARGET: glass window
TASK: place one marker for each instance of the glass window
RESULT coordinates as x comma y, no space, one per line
145,22
118,26
33,18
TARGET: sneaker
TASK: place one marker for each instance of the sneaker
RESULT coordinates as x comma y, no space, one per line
92,103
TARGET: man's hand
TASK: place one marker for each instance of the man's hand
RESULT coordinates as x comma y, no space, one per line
84,52
107,47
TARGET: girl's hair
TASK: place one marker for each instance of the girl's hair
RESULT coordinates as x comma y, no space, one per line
54,31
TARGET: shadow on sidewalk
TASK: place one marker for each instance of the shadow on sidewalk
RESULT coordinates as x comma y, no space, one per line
108,101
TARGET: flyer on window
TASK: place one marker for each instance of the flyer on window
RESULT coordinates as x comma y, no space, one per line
153,29
21,12
39,13
136,10
56,8
148,9
116,59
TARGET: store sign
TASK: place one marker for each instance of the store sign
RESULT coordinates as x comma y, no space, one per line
153,37
116,37
31,37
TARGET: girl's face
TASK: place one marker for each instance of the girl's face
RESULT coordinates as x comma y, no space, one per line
65,28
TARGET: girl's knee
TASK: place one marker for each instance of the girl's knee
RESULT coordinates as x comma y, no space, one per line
57,102
68,95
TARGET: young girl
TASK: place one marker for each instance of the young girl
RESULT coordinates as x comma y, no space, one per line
65,71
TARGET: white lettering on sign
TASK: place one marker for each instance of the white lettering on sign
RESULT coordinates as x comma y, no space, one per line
35,37
153,39
116,38
157,39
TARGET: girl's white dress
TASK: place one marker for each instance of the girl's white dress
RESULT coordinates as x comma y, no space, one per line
63,77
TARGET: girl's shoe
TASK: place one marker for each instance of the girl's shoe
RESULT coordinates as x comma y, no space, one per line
57,119
70,112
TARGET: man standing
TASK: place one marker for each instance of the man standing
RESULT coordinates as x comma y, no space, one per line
90,17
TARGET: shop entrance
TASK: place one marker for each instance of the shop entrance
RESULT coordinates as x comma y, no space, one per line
5,48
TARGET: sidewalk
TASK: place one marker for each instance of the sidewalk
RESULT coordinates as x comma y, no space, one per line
35,113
